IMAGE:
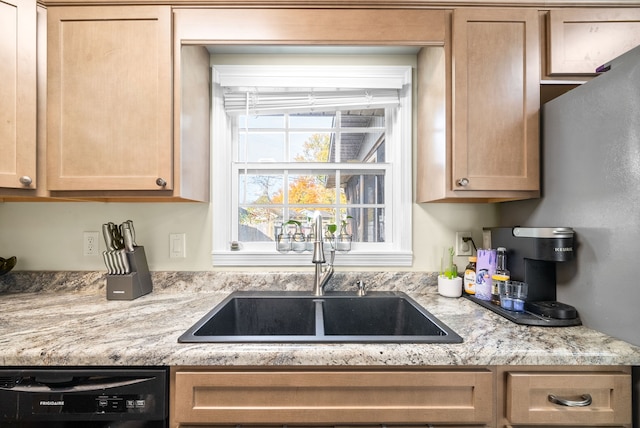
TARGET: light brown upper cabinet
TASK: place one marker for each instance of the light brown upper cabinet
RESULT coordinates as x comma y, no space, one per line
109,103
110,121
491,152
17,96
580,40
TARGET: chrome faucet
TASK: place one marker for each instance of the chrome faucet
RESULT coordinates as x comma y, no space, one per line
322,276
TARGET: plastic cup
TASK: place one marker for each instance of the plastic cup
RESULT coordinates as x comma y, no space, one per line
513,295
506,303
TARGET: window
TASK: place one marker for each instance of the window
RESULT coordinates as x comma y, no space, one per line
289,141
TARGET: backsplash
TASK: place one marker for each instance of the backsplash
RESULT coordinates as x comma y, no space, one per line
95,282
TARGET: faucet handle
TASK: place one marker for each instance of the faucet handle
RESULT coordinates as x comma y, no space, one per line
362,290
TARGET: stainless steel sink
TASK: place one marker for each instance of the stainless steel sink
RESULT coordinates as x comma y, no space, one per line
282,317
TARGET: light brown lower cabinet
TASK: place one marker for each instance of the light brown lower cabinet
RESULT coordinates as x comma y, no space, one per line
335,397
576,396
455,396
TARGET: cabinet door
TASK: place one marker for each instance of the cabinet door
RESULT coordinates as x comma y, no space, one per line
496,100
580,40
18,94
590,399
332,397
109,98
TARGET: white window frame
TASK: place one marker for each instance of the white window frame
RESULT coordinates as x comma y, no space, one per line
397,251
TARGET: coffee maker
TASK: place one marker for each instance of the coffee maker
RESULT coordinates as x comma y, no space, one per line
532,254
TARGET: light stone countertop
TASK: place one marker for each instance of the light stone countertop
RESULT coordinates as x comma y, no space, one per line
64,319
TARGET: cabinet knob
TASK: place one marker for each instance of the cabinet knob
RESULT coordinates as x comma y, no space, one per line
463,182
161,182
25,180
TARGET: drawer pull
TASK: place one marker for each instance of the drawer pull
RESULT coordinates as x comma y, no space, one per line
586,401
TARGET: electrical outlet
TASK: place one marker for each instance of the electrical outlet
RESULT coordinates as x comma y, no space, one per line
463,248
90,244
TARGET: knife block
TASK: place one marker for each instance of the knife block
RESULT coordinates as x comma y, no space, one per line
134,284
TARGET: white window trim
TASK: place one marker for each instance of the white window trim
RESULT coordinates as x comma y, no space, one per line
399,209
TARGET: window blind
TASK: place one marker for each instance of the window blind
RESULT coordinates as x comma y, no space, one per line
275,102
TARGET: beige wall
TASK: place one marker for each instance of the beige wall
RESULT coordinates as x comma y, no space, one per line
48,235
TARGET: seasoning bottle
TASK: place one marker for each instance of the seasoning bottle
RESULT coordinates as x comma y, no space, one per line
501,276
470,276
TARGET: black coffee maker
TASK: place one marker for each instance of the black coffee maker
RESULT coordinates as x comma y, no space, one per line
532,254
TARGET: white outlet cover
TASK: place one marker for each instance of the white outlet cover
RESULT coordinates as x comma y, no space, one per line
90,243
463,248
177,245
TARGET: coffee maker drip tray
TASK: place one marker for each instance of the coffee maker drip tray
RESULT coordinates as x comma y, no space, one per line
542,314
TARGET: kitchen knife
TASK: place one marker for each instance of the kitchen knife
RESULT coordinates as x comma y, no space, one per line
107,263
127,237
125,262
133,232
116,236
108,255
114,262
108,236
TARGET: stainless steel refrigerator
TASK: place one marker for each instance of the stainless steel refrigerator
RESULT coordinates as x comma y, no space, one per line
591,182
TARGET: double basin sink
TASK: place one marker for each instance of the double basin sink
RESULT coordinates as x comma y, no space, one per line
287,317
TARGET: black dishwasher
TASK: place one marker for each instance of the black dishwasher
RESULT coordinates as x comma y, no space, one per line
84,397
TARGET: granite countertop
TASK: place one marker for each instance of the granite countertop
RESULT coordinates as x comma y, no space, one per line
62,319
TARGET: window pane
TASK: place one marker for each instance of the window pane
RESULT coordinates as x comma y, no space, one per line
269,197
257,224
311,120
312,189
305,214
379,155
359,147
372,118
365,188
367,224
259,188
309,147
262,147
373,189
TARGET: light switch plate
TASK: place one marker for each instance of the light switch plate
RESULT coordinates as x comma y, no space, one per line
177,245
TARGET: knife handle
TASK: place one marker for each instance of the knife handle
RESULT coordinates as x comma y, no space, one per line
127,236
125,262
107,262
108,237
133,232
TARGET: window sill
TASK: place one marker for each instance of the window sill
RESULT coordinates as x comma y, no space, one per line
353,258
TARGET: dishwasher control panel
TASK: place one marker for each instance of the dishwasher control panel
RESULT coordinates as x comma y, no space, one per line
92,403
97,396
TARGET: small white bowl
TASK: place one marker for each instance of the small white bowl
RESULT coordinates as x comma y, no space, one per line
450,287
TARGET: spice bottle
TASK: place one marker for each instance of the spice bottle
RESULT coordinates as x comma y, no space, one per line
501,276
470,276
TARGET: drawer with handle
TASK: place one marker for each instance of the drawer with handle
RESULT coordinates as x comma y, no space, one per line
557,398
